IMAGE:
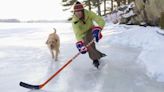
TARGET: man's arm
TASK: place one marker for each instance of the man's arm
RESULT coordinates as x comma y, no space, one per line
98,19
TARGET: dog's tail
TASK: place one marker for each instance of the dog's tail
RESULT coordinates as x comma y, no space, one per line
54,30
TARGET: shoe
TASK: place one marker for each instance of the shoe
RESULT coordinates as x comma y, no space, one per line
96,63
103,55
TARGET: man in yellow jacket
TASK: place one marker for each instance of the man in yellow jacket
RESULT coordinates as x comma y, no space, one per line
85,31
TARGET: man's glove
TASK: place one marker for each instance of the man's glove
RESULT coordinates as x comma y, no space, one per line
81,47
96,32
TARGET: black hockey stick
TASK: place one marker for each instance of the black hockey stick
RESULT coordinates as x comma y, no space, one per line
29,86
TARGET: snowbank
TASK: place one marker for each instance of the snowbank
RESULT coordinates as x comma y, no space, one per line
146,38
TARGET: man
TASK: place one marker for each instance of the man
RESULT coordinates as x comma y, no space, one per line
85,31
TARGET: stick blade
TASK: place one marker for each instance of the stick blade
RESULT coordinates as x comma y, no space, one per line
29,86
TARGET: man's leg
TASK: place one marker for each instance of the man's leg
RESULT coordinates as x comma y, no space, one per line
94,54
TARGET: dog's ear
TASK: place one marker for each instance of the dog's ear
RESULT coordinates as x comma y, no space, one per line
54,30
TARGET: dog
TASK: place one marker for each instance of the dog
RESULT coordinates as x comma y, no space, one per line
53,43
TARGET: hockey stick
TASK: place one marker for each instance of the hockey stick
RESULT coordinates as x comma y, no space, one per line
29,86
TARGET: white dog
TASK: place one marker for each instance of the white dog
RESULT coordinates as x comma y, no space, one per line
53,43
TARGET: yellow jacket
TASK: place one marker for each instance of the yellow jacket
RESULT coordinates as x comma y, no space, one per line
80,29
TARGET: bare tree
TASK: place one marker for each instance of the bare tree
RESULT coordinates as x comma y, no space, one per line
104,7
89,4
129,1
111,5
118,2
98,6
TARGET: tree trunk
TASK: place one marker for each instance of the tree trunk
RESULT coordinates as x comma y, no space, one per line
104,7
89,3
99,10
118,3
124,1
129,1
161,24
111,5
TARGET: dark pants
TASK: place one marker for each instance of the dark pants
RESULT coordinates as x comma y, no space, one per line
92,51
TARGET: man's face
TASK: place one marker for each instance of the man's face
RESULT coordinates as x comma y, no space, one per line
79,14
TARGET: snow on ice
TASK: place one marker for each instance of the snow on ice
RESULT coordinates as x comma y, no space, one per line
134,61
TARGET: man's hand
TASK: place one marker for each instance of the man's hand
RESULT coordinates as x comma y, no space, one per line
96,32
81,47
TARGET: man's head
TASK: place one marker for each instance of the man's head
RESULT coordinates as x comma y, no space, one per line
78,6
79,10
